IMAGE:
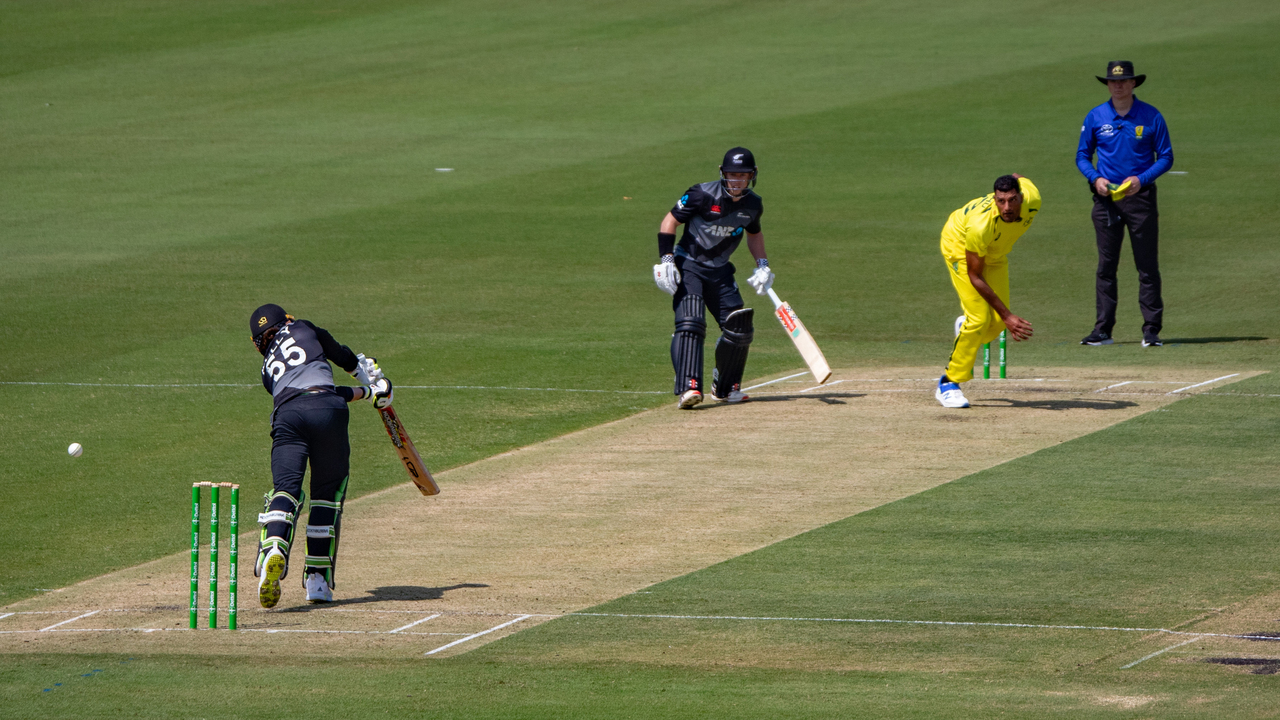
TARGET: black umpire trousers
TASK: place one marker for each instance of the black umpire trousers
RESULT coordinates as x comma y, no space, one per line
1140,215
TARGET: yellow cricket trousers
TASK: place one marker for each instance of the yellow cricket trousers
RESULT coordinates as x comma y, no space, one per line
981,323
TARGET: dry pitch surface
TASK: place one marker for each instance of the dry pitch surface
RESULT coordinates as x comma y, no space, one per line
563,525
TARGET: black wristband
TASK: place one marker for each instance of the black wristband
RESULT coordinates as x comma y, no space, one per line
666,243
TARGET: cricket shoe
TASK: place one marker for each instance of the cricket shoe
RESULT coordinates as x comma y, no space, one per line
1097,338
318,590
948,393
1152,341
689,399
733,396
269,584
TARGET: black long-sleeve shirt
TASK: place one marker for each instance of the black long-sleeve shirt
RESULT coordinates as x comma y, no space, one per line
298,359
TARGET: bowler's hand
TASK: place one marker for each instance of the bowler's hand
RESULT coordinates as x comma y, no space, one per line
1020,329
1134,185
1101,186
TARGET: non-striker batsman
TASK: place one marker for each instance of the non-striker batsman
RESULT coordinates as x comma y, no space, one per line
697,273
975,244
309,423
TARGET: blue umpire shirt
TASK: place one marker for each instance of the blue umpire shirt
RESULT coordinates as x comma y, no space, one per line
1136,144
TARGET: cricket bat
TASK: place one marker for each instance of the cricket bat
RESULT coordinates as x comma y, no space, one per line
800,336
418,471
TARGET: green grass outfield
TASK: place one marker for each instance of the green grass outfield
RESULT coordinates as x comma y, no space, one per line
169,166
1033,541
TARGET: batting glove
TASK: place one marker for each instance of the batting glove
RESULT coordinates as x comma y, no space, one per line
666,276
382,393
761,279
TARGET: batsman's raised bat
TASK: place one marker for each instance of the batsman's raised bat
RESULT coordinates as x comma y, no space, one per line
418,471
800,336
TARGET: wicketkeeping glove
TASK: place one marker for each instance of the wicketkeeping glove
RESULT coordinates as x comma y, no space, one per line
666,275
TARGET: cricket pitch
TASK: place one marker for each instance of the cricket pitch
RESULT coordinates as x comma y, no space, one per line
566,524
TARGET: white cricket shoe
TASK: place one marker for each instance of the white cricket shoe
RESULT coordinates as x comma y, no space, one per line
318,590
273,567
689,399
949,395
959,325
733,396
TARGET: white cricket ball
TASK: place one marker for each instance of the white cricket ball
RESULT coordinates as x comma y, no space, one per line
74,449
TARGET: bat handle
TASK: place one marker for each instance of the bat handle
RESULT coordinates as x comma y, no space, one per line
777,301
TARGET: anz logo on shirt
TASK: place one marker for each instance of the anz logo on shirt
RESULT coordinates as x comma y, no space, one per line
683,199
723,230
1106,130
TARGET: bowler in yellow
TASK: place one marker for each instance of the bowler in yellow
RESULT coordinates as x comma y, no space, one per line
975,243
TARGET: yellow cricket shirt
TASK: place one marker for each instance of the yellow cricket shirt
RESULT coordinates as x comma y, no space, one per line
977,226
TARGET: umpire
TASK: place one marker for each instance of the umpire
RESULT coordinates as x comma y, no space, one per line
1132,145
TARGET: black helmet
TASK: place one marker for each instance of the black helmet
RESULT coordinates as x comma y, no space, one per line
267,317
738,160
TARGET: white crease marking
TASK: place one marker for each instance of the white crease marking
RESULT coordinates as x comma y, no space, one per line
824,385
753,387
1160,652
415,622
476,635
1206,382
64,622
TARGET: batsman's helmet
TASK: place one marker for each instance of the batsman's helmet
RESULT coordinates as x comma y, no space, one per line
263,320
738,160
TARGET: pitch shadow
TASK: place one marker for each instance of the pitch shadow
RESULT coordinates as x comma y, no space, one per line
1058,404
393,593
825,398
1207,340
1260,666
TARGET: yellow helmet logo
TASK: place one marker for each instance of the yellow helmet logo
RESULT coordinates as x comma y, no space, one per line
262,321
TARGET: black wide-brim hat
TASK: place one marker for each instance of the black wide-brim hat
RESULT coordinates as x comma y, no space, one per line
1121,70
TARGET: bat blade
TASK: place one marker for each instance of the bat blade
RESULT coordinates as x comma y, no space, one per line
413,464
803,341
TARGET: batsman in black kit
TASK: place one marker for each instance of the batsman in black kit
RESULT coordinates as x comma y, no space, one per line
697,273
309,422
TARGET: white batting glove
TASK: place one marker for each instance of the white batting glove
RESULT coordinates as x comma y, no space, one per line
761,279
370,366
666,275
381,393
361,373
